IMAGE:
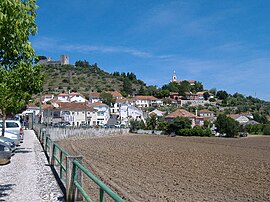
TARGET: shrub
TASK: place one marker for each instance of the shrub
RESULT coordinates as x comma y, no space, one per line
266,130
196,131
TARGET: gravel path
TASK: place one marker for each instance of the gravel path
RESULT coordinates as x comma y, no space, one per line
28,177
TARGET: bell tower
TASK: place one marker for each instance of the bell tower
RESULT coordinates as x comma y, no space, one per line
174,78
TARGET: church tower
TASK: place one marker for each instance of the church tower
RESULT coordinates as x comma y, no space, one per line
174,78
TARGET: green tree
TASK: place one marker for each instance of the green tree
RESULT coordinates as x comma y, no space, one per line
19,78
131,76
172,87
206,95
151,90
152,122
222,95
197,87
184,87
177,124
81,63
127,87
227,125
107,98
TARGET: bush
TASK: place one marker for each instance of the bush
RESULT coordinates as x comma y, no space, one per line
136,125
196,131
254,129
266,130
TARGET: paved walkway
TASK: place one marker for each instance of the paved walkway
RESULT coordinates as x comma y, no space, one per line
28,177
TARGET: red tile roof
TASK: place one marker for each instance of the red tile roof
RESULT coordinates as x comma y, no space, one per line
234,116
63,94
94,94
98,104
144,97
75,106
205,111
182,113
115,94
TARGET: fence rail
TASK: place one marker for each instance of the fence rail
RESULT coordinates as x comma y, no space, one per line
69,170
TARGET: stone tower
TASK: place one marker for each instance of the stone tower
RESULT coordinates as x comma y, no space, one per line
64,60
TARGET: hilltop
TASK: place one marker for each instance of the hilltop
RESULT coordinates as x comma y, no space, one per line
84,77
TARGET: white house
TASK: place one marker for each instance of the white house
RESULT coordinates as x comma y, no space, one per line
74,113
240,118
115,109
63,97
103,112
205,113
47,98
76,97
94,97
128,112
71,97
157,113
146,101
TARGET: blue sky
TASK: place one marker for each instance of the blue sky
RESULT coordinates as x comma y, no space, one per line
223,44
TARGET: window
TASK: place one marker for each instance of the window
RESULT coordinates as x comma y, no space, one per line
12,125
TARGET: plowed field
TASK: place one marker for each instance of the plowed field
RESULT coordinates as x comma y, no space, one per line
161,168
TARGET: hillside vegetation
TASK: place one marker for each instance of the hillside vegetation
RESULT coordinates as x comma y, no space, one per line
84,78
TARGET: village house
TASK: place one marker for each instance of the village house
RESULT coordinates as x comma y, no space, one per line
95,96
194,102
175,96
71,97
199,95
146,101
128,112
195,120
205,113
157,113
47,98
103,112
239,117
115,108
72,112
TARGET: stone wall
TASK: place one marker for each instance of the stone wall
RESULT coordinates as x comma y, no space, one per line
63,133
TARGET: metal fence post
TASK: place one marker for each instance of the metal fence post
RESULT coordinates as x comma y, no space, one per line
44,141
52,152
43,131
72,194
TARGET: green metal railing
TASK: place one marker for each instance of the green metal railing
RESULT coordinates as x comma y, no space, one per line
102,187
59,155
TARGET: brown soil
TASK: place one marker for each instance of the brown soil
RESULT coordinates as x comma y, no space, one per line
160,168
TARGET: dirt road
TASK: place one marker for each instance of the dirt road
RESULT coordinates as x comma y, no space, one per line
160,168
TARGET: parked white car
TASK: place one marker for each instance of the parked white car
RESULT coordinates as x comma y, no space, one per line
13,136
13,126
